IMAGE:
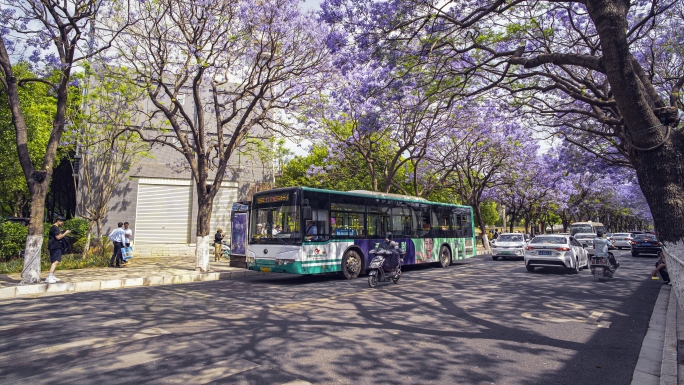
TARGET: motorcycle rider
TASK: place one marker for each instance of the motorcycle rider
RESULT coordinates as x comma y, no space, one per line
391,262
601,249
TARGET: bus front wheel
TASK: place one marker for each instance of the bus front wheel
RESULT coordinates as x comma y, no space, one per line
351,265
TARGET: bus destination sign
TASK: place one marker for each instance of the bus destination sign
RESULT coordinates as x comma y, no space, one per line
273,198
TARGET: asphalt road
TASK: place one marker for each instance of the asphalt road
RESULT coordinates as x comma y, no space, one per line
479,322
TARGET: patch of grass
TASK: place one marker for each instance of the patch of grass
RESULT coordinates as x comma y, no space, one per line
69,262
13,266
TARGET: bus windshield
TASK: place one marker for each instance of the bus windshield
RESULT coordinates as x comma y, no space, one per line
277,224
583,228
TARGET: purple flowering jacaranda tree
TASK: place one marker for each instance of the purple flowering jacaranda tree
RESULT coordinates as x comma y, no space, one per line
609,70
216,71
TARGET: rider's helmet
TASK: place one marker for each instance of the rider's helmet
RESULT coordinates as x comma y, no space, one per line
388,236
599,234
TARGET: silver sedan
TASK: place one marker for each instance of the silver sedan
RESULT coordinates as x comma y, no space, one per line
552,250
622,240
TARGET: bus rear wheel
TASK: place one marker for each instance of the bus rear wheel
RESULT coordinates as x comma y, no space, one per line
351,265
444,256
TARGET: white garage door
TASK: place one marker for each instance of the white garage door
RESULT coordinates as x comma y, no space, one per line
220,212
163,213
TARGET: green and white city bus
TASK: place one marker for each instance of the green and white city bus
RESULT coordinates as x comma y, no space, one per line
303,230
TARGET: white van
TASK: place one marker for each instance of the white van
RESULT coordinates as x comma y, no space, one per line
586,227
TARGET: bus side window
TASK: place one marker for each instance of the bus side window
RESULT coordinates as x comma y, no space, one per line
420,220
466,225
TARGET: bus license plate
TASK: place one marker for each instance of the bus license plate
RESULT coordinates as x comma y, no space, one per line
266,269
544,253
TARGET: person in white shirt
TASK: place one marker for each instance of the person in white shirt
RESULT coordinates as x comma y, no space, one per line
129,234
118,236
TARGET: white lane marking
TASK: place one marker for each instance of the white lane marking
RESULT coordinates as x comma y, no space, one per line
120,321
210,373
595,315
94,343
100,365
297,382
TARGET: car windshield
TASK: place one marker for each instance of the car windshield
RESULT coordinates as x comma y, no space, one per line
645,237
510,238
550,240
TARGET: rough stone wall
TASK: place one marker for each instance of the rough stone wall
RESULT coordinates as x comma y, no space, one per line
674,257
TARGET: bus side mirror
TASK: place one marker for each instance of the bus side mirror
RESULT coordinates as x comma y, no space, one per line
306,213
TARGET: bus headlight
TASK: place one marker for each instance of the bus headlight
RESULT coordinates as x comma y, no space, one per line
250,260
284,261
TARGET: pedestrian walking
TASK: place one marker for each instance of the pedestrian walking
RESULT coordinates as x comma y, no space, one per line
218,244
55,247
118,236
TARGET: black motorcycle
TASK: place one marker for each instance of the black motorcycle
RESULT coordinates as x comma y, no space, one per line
377,273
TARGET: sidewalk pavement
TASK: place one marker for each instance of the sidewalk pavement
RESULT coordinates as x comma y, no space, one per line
140,271
658,362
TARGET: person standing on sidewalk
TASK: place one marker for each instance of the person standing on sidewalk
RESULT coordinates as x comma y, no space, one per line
55,246
129,234
218,244
118,237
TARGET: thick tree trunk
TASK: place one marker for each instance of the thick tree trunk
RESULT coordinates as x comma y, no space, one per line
481,225
86,247
659,163
203,232
660,170
34,241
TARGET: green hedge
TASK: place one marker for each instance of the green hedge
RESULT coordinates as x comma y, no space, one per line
12,239
78,227
69,261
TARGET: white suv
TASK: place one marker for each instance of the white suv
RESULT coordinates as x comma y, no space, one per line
509,245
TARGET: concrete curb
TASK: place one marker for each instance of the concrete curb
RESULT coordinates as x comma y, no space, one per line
84,286
657,363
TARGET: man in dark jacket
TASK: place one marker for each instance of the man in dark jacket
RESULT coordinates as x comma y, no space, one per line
218,244
391,261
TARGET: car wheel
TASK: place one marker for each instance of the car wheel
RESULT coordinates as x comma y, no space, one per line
529,268
444,256
575,269
351,265
635,254
495,258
